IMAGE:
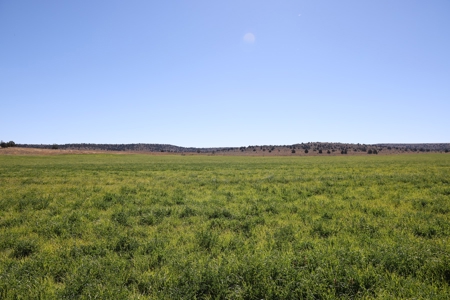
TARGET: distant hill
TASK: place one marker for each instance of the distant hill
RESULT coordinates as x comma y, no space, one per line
124,147
301,148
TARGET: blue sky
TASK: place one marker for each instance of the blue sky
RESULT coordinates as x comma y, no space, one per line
225,73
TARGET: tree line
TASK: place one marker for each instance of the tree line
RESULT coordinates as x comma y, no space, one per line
7,144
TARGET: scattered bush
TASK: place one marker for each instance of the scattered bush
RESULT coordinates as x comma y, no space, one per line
206,239
187,212
126,244
23,249
120,217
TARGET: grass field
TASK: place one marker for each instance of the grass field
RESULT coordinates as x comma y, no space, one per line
205,227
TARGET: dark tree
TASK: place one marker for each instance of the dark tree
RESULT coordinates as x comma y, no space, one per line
8,144
320,151
370,151
293,151
375,152
54,146
306,151
328,152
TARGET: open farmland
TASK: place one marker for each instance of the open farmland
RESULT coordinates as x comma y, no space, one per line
224,227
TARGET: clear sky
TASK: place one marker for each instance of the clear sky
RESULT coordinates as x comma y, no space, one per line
225,73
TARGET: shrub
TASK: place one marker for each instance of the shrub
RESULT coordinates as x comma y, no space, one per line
220,213
187,212
120,217
24,249
284,235
149,220
125,244
206,239
319,229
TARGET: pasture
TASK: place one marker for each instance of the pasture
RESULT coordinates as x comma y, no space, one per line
204,227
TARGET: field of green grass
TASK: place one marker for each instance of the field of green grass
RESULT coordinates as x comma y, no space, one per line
205,227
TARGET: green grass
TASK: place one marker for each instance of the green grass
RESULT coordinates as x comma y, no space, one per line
205,227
